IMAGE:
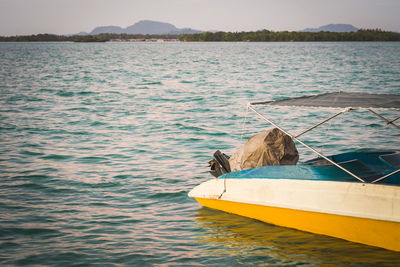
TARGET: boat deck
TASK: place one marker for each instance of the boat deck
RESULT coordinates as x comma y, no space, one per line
367,165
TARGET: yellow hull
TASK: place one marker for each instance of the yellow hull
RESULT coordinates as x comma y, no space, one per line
379,233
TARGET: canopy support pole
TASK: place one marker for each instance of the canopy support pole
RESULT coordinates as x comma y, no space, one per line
394,119
383,118
307,146
386,176
322,122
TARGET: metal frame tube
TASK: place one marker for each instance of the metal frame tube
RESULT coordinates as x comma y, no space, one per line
395,119
322,122
307,146
383,118
386,176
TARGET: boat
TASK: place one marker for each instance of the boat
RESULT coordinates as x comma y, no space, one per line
353,195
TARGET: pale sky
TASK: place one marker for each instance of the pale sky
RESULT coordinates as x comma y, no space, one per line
19,17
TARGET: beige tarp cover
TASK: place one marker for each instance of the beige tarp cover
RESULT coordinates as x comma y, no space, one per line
272,147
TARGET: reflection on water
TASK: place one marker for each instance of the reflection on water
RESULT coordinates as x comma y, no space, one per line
243,239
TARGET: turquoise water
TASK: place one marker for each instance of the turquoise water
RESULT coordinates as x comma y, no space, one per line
100,144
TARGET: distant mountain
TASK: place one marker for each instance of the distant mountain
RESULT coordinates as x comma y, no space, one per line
185,31
144,27
332,28
77,34
106,29
81,33
150,27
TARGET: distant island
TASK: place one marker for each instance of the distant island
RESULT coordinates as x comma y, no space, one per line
332,28
362,35
145,27
144,30
154,31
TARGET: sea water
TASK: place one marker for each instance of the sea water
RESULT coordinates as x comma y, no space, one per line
100,144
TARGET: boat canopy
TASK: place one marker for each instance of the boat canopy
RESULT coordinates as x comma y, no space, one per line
340,100
347,102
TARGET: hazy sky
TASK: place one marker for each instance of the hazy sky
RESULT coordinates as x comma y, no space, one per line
19,17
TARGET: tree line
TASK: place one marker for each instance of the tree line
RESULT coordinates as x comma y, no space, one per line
257,36
104,37
36,38
286,36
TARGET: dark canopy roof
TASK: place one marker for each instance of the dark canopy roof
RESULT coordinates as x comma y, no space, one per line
340,100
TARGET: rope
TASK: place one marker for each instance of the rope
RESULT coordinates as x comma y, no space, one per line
241,138
244,123
224,188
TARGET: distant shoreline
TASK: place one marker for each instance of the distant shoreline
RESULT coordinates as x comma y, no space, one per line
286,36
374,35
99,38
